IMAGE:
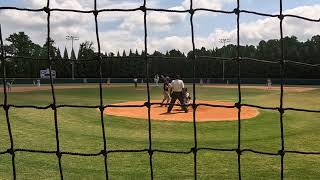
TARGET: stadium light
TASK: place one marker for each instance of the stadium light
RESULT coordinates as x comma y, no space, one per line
72,38
224,41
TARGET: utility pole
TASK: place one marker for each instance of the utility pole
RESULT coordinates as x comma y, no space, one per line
223,40
72,38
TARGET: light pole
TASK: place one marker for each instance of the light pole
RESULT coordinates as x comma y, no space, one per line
223,40
72,38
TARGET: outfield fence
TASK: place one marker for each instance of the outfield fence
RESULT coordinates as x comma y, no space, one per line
205,81
105,151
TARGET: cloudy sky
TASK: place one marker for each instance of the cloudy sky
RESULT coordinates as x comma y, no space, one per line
119,30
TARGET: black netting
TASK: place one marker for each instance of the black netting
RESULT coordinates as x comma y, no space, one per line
104,152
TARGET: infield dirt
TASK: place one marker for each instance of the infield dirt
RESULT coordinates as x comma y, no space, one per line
203,113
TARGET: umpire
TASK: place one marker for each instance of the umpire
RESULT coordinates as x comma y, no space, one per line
177,87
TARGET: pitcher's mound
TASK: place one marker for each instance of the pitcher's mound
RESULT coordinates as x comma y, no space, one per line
203,113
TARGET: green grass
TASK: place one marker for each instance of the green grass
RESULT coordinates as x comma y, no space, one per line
80,131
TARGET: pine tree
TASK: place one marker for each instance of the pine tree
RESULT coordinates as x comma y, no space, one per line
130,53
65,54
58,56
52,48
66,70
124,53
73,55
118,54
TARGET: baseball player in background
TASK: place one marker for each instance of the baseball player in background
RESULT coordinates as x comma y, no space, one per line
269,83
9,85
108,81
135,80
156,79
166,91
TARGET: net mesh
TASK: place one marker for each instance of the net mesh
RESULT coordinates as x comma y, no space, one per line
194,150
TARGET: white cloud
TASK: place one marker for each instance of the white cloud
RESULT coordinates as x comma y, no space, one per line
209,4
15,21
34,3
119,4
171,42
156,21
71,4
250,32
119,40
269,28
304,29
29,18
163,21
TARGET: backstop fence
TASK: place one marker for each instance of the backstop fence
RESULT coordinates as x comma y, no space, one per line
200,81
150,150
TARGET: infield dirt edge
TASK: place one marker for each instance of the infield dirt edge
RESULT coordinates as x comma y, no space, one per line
203,113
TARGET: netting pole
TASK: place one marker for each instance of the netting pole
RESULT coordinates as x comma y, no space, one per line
53,105
148,104
6,107
101,108
238,104
194,106
281,110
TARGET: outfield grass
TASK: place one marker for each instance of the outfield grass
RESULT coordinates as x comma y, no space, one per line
80,131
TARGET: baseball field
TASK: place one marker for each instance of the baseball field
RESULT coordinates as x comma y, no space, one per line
80,131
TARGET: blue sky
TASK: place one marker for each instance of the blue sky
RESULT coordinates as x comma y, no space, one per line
120,31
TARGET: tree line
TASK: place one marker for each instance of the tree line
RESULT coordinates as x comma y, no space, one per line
25,59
